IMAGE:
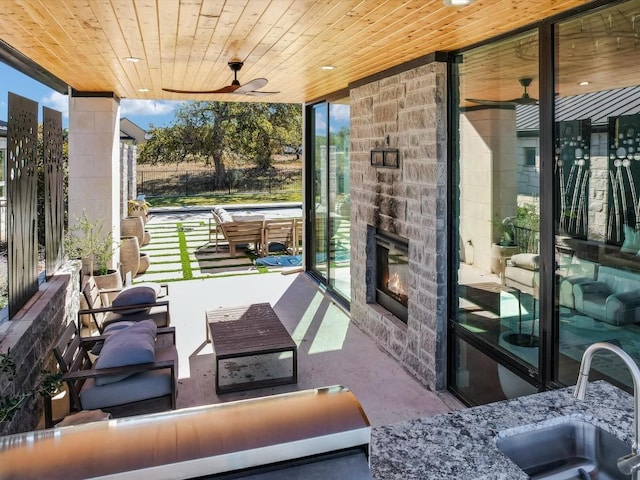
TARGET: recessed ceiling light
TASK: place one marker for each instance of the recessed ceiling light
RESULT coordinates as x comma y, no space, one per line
328,67
584,84
132,59
457,3
143,90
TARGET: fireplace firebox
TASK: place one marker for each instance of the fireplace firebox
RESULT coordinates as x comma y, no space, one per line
392,273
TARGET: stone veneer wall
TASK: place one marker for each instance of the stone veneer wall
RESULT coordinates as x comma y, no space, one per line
30,335
409,107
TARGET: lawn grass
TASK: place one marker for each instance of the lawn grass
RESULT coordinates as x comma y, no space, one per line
187,274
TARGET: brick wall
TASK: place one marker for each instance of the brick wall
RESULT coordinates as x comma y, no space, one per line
409,108
31,335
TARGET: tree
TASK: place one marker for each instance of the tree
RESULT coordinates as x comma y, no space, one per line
164,145
215,132
266,128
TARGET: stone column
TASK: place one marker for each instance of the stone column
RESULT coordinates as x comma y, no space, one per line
487,159
94,159
132,169
124,179
411,201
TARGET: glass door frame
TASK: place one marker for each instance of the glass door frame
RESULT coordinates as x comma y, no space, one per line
322,277
310,192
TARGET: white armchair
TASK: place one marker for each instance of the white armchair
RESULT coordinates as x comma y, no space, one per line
521,272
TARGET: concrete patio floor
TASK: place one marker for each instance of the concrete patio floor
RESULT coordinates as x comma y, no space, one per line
331,350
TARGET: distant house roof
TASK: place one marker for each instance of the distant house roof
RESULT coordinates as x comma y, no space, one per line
597,106
129,131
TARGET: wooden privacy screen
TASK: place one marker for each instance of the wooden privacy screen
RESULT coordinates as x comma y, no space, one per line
22,136
53,192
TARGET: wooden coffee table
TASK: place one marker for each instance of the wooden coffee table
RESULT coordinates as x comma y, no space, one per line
245,331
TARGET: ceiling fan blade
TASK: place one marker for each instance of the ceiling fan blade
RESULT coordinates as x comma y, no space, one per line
513,101
490,102
525,101
254,84
258,93
227,89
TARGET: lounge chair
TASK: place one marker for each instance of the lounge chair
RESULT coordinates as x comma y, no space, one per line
238,233
136,303
144,379
279,230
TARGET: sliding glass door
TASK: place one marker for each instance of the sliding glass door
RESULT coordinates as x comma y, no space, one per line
545,251
330,202
597,174
497,176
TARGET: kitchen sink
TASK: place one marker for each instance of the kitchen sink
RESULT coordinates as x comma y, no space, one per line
568,449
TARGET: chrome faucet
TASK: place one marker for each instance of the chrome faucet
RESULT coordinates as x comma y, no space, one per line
629,464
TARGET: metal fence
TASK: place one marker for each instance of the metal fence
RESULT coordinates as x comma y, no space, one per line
157,183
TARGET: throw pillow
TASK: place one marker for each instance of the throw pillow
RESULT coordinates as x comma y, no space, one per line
142,294
631,242
225,216
130,346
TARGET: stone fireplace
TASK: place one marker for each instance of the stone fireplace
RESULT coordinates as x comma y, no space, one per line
390,281
408,204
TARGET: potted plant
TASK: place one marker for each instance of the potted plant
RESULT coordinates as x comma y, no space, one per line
505,245
528,221
505,231
138,207
87,241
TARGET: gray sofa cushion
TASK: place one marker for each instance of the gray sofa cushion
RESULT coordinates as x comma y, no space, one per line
135,388
613,298
143,294
158,314
132,345
141,386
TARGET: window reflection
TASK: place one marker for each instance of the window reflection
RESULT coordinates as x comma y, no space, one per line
340,198
320,202
597,174
594,200
331,257
499,204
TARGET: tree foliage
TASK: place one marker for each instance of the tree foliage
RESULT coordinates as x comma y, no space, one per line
217,133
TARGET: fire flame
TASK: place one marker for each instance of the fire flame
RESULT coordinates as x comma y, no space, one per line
394,285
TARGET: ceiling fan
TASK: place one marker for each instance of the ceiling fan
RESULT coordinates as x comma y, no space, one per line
525,99
249,88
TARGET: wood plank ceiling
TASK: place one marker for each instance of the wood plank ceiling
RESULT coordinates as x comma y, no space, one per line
186,44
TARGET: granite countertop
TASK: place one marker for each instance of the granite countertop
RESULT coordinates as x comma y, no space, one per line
462,444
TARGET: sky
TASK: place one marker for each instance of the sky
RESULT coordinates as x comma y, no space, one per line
141,112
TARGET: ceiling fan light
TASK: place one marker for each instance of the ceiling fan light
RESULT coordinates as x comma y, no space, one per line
457,3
